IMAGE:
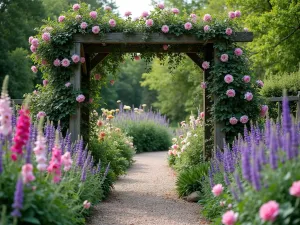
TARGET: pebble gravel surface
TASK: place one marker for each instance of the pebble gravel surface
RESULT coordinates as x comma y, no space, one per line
146,196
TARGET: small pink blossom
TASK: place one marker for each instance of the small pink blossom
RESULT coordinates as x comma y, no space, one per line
76,7
231,15
161,5
35,42
205,65
44,62
165,29
217,190
175,146
107,8
269,211
188,26
295,189
34,69
61,19
82,60
78,17
203,85
83,25
33,48
93,15
230,93
128,13
35,92
246,78
244,119
68,84
65,62
228,78
207,18
45,82
238,52
233,120
67,161
237,13
30,39
95,29
149,23
248,96
175,11
41,114
112,23
97,76
75,58
224,58
228,31
202,114
246,29
86,204
193,17
56,62
80,98
229,218
137,58
46,36
263,110
165,47
145,14
206,28
222,203
260,83
27,173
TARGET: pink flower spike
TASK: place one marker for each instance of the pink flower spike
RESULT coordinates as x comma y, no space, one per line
161,5
80,98
145,14
217,190
295,189
165,47
83,25
65,62
248,96
107,8
67,161
75,58
228,78
237,13
112,23
56,62
233,121
205,65
231,15
206,28
128,13
34,69
244,119
229,218
207,18
76,7
45,82
149,23
269,211
203,85
188,26
82,60
165,29
68,84
86,204
96,29
61,19
238,52
27,173
93,14
175,11
246,79
46,36
230,93
228,31
224,58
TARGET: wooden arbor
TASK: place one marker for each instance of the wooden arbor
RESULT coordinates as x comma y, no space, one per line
95,49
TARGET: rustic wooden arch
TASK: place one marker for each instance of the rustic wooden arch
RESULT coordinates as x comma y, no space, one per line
95,49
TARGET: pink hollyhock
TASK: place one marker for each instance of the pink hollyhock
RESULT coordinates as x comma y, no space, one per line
46,36
5,114
30,39
161,5
75,58
128,13
68,84
205,65
22,133
188,26
246,78
56,62
217,190
33,48
45,82
149,23
67,161
228,31
35,42
112,23
203,85
206,28
54,167
233,120
145,14
207,18
27,173
231,15
65,62
202,115
83,25
86,204
80,98
76,7
229,218
260,83
224,58
112,82
269,211
40,151
137,57
93,14
238,52
95,29
175,11
165,47
244,119
78,17
295,189
82,60
34,69
264,110
237,13
165,29
230,93
97,76
107,8
246,29
228,78
41,114
248,96
61,19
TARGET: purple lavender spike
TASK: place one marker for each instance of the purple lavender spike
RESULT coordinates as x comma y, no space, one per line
267,132
211,179
287,146
262,155
234,194
295,141
286,116
98,167
226,179
238,182
18,199
246,166
69,143
273,150
107,170
28,152
83,174
246,135
255,175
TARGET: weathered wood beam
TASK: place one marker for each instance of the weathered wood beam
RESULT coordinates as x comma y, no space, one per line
196,59
82,54
97,59
280,99
155,38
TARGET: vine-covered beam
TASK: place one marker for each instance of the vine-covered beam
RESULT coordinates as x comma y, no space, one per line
196,59
97,59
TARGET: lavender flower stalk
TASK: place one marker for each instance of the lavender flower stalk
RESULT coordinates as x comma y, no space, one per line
18,199
107,170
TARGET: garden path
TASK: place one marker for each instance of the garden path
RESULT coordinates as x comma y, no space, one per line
146,196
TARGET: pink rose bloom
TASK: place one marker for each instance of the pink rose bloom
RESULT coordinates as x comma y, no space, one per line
175,11
206,28
86,204
68,84
93,14
56,62
34,69
295,189
33,48
224,58
137,57
82,60
128,13
107,8
78,17
248,96
46,36
246,29
229,218
30,39
145,14
230,93
61,19
244,119
45,82
246,79
35,42
80,98
269,211
233,120
202,115
228,31
41,114
228,78
112,22
263,110
95,29
97,76
193,15
165,47
174,146
205,65
83,25
76,7
188,26
165,29
260,83
149,23
217,190
231,15
161,5
238,52
65,62
207,18
237,13
75,58
203,85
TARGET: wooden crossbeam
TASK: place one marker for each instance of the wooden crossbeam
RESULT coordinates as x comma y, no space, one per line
196,59
97,59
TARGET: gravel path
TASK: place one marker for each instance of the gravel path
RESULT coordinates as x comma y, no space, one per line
146,196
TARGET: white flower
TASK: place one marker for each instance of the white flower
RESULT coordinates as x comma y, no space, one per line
188,134
188,144
195,135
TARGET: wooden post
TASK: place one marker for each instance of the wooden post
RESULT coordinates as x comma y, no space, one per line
75,120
